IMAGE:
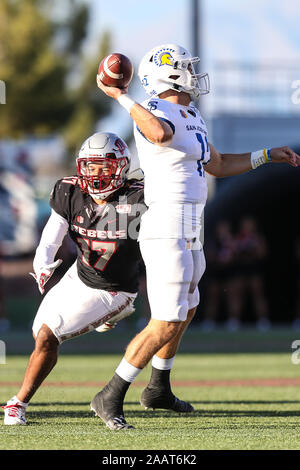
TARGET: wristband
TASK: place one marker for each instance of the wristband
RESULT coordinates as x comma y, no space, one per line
126,102
260,157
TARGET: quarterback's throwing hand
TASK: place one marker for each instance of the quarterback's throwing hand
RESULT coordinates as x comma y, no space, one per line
112,92
285,155
44,274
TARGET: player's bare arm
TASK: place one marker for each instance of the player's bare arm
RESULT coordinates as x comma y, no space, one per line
222,165
154,129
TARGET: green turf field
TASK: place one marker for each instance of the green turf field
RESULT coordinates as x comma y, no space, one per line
232,410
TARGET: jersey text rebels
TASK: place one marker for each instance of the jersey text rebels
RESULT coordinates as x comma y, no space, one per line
100,233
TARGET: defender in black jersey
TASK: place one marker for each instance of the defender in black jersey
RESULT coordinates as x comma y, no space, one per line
100,209
108,254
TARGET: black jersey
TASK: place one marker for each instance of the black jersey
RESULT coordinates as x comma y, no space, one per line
105,235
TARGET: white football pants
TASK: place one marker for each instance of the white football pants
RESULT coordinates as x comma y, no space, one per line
71,308
174,268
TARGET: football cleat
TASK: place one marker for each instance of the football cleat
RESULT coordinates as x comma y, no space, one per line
110,324
14,414
110,413
107,326
154,398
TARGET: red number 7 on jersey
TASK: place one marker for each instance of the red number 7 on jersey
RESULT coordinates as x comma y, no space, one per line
105,249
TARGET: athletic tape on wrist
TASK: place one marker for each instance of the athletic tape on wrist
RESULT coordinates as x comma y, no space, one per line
260,157
126,102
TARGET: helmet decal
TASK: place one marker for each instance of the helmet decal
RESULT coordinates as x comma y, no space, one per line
120,146
164,57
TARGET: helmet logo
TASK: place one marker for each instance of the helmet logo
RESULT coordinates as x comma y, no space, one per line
120,146
164,57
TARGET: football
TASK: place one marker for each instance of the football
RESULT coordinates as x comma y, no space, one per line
115,70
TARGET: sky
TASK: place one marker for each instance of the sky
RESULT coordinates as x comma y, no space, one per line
258,31
230,29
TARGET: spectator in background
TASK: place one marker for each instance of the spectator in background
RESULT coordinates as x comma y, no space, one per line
250,253
220,254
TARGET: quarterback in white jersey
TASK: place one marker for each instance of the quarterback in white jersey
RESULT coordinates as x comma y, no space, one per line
174,152
176,188
175,192
181,161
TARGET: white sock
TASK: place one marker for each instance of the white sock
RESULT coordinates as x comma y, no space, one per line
162,364
126,371
15,399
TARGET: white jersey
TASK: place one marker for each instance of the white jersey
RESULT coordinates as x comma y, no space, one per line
175,183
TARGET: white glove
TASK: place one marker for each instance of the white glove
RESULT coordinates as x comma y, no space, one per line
44,274
111,323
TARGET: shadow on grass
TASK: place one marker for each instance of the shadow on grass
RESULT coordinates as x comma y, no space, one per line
213,414
202,402
61,403
37,416
245,402
40,417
